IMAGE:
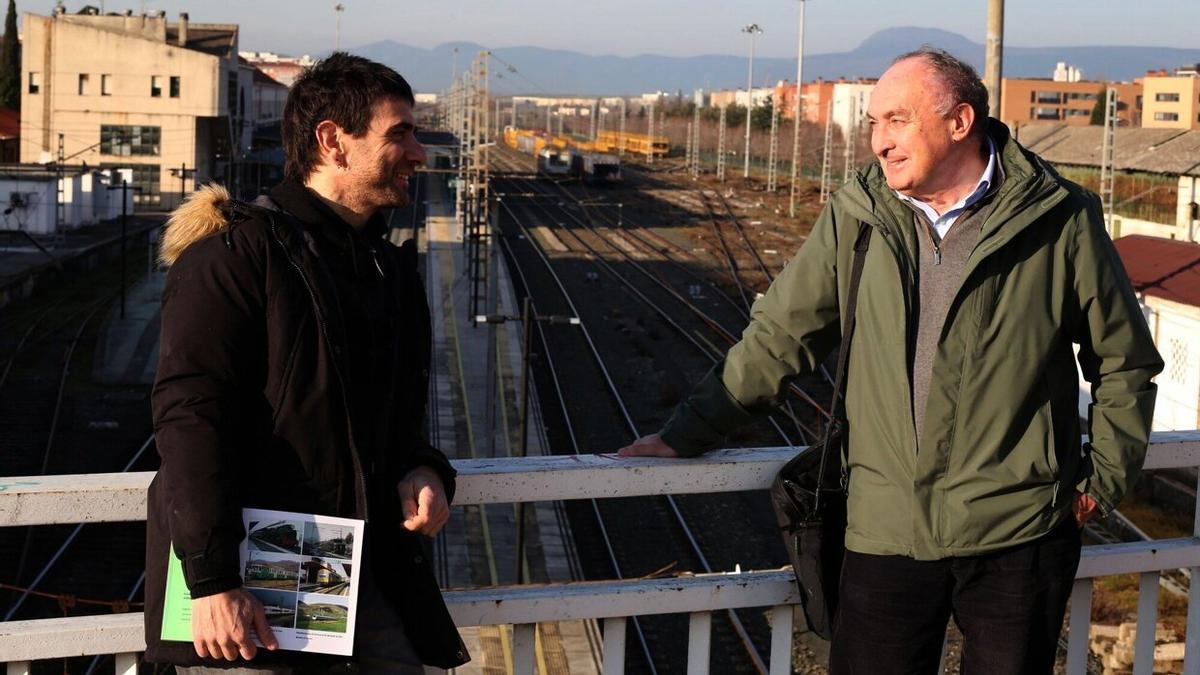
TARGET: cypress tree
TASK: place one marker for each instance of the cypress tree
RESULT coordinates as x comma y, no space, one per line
10,61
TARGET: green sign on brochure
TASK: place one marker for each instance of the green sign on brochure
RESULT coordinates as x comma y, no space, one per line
177,608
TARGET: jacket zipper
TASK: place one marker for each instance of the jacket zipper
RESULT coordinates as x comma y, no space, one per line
360,474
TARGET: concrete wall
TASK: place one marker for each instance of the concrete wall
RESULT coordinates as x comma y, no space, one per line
34,209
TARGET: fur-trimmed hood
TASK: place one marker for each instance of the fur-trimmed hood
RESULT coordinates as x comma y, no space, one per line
200,215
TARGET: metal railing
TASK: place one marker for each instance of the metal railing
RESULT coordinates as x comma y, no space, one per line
93,498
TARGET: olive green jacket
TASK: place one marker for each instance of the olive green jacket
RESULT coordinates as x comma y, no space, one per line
1001,454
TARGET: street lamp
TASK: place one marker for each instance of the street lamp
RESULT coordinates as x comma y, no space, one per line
337,35
751,30
795,188
527,317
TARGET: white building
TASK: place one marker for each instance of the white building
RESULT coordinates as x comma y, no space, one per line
1067,73
850,100
1166,275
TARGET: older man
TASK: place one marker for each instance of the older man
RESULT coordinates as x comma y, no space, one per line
967,479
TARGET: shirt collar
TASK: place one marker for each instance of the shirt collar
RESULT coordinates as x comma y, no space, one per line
981,189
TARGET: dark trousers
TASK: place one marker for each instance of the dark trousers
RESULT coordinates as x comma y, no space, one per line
1009,606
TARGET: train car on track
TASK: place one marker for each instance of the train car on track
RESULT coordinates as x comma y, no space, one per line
555,162
600,169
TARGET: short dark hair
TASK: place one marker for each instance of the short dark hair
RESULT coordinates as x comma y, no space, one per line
961,81
341,88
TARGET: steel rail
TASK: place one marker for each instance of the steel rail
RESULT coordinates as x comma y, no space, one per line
739,628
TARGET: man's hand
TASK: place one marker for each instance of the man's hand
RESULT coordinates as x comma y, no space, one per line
423,501
221,625
1084,508
648,446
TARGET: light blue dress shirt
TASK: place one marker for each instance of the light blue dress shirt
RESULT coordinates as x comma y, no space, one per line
941,223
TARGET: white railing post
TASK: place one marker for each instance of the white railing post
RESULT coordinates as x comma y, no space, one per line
614,646
699,643
1147,617
524,648
781,640
1081,622
1191,658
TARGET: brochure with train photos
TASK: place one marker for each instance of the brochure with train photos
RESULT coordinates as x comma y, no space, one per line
302,567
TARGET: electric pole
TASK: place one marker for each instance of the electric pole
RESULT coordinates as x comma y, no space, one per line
650,136
1107,167
851,133
721,147
994,67
621,141
795,186
771,155
751,30
827,154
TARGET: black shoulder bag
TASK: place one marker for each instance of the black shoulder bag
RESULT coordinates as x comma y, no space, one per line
809,493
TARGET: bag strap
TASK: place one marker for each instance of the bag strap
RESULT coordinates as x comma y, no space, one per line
861,244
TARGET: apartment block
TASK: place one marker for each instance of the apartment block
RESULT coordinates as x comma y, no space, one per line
1172,101
1026,100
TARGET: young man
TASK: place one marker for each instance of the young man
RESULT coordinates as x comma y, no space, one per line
967,480
293,376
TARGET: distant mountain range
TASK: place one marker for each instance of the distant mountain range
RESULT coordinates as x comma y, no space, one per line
552,71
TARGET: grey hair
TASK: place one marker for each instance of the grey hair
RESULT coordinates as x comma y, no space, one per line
961,83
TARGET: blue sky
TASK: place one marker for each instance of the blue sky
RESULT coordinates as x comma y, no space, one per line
676,28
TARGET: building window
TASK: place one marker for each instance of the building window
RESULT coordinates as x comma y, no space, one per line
83,84
147,183
1166,117
1080,96
35,82
155,86
1047,97
126,141
1166,97
1044,113
174,86
106,85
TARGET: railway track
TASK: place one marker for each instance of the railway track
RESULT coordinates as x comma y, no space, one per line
590,268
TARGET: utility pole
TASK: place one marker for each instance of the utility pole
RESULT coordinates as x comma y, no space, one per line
771,155
827,154
592,120
696,143
1107,167
650,136
124,188
527,318
795,186
851,133
721,148
994,66
752,30
621,140
337,35
687,145
60,207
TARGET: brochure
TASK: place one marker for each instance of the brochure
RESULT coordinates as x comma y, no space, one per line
302,567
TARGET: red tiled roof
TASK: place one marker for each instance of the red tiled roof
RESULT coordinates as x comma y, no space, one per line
1164,268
